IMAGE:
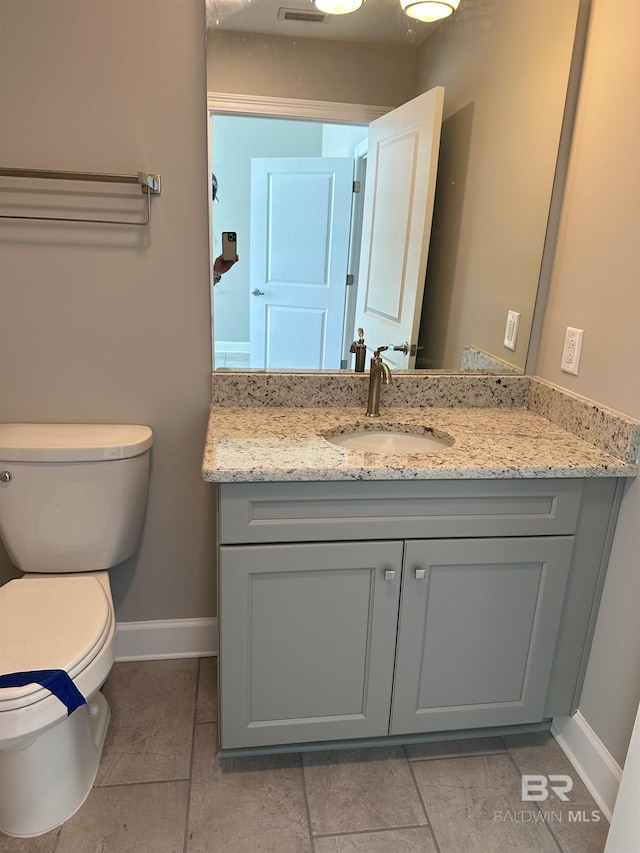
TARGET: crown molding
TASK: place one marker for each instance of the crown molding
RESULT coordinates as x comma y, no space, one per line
329,111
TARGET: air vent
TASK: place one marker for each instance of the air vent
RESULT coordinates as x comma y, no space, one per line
306,16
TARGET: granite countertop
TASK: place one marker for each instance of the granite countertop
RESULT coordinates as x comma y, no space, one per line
251,443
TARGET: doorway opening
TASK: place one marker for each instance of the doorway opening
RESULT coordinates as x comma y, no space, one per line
388,281
286,187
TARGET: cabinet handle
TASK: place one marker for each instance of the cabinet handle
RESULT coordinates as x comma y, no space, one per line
421,574
389,574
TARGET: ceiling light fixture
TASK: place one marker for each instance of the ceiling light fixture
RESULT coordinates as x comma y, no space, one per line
429,10
338,7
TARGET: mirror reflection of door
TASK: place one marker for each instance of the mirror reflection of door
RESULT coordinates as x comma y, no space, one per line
236,140
398,208
300,226
291,303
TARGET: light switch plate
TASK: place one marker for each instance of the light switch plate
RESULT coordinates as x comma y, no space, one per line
572,350
511,332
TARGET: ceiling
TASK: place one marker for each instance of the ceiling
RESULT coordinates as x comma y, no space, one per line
377,22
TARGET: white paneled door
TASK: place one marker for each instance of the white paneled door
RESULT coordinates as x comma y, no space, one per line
398,209
300,223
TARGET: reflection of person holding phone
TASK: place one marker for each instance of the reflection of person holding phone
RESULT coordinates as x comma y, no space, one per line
228,258
221,266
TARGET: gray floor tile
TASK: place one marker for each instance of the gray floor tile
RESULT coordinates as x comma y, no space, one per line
469,801
578,823
129,819
152,707
42,844
350,790
539,752
417,840
207,707
451,748
537,747
575,834
245,805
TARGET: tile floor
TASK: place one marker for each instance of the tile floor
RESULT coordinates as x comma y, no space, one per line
160,788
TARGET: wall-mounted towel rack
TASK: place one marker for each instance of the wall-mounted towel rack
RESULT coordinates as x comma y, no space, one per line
150,184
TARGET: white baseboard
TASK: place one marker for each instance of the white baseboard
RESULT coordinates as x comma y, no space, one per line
233,346
166,638
595,765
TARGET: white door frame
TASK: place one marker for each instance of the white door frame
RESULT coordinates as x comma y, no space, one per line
259,105
355,241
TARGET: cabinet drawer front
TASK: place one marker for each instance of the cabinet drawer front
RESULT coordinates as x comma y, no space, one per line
307,512
307,641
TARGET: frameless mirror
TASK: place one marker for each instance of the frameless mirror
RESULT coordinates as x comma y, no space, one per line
287,84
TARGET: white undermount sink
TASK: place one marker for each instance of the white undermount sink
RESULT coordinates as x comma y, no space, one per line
389,441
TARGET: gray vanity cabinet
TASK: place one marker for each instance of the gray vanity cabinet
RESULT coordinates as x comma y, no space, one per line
354,610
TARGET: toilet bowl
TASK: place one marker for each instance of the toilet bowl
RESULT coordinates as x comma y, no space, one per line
75,497
62,622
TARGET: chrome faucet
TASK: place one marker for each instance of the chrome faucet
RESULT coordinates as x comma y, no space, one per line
379,374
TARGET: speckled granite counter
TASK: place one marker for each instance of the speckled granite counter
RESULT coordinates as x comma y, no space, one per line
503,427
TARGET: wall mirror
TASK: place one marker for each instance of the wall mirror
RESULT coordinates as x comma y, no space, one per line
286,84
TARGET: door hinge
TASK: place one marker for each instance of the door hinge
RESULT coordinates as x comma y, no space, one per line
356,186
350,280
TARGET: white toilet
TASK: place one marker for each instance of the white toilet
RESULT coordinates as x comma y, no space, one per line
72,503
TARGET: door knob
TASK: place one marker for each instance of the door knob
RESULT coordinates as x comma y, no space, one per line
257,292
389,574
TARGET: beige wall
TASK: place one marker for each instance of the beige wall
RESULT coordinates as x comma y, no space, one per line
596,287
504,66
106,323
278,67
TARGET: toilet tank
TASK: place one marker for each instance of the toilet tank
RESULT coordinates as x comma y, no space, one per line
72,496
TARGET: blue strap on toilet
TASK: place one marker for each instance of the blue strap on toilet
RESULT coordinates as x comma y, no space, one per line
57,681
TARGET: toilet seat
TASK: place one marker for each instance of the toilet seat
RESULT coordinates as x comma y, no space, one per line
50,623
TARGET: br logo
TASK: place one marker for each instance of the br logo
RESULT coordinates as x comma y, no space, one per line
535,786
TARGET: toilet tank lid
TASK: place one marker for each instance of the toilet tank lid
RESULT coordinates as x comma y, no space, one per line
72,442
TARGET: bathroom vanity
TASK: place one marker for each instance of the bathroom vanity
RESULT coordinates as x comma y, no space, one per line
369,597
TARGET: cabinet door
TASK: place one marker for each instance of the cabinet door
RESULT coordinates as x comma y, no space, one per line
478,626
307,641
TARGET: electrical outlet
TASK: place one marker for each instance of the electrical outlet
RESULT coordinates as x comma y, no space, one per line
572,350
511,332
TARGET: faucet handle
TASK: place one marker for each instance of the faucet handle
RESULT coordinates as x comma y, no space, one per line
376,354
406,348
